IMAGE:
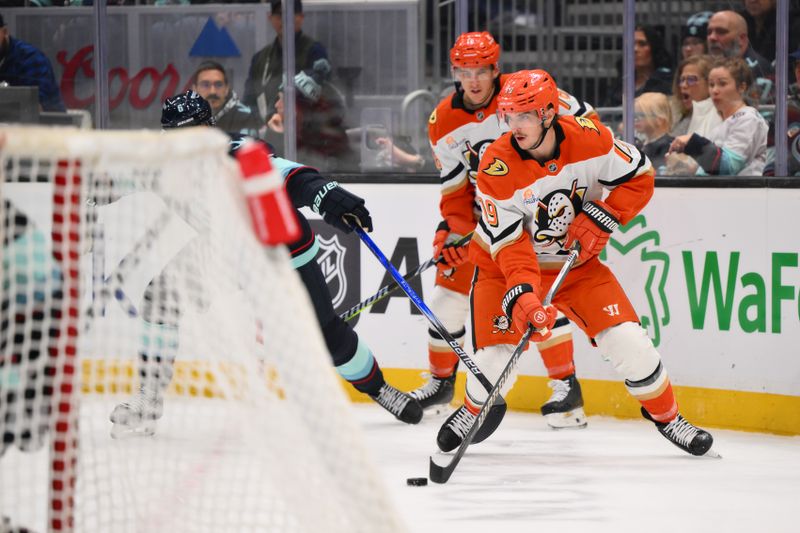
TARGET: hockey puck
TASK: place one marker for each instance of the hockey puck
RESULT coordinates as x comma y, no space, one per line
417,481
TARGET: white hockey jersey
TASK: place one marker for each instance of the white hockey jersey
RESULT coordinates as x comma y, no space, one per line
459,137
528,205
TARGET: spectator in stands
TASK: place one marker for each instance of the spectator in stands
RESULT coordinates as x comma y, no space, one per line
761,18
793,130
694,112
652,119
211,81
727,37
794,89
322,140
396,153
22,64
738,146
652,65
266,67
693,35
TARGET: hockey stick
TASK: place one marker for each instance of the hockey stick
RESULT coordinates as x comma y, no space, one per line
437,325
389,289
441,473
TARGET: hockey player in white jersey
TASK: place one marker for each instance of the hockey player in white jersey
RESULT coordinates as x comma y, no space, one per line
460,129
550,182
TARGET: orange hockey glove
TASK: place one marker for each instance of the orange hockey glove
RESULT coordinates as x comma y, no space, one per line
452,256
527,308
592,228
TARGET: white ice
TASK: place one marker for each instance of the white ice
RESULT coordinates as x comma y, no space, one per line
613,476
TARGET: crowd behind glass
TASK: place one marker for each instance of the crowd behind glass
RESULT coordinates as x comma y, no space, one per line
706,108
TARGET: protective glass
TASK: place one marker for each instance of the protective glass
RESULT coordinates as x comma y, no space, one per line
520,120
468,74
205,84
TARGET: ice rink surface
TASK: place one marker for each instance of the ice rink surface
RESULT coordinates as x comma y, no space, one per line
614,476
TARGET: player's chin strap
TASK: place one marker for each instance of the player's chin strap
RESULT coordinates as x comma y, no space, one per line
545,129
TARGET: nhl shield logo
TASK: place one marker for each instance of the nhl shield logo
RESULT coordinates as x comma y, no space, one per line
479,115
331,261
339,259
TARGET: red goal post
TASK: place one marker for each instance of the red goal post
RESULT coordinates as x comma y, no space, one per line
256,435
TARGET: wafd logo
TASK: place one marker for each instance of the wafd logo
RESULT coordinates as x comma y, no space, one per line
635,240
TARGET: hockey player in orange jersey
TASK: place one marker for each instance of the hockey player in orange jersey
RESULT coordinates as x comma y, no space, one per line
460,129
541,187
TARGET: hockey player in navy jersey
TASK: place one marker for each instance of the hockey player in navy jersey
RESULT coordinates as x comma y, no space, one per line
351,356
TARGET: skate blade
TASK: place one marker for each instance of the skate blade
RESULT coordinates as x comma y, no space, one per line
575,419
712,454
122,432
438,409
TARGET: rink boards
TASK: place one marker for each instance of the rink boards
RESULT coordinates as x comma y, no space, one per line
714,274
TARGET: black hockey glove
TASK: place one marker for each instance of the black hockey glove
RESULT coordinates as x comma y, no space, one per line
341,208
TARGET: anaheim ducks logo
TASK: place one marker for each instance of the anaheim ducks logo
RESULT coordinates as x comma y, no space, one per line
586,124
496,168
472,155
432,118
501,324
554,213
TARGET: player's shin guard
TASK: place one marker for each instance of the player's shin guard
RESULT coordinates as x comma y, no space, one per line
139,413
440,387
361,369
634,357
557,351
363,372
491,360
451,308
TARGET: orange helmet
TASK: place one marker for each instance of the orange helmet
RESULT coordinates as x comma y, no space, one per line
528,90
474,49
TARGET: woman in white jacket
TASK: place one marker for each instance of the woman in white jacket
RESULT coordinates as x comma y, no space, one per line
738,146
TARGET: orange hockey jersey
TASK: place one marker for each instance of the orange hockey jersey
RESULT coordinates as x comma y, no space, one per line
459,136
527,206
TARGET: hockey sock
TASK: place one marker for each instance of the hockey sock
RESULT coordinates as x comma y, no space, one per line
362,370
557,351
157,356
655,394
441,356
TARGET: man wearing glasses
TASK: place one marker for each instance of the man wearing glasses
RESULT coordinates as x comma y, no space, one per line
230,114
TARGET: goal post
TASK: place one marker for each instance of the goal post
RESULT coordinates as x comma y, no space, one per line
128,255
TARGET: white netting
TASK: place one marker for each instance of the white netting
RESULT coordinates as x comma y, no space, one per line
121,243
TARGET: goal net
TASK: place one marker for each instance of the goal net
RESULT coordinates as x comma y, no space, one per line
130,275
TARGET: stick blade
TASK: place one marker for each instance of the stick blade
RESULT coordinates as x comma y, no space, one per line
439,474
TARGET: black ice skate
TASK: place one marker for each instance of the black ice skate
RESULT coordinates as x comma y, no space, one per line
436,392
401,405
564,409
454,429
685,436
137,416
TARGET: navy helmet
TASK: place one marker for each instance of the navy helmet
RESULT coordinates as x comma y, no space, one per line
186,109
